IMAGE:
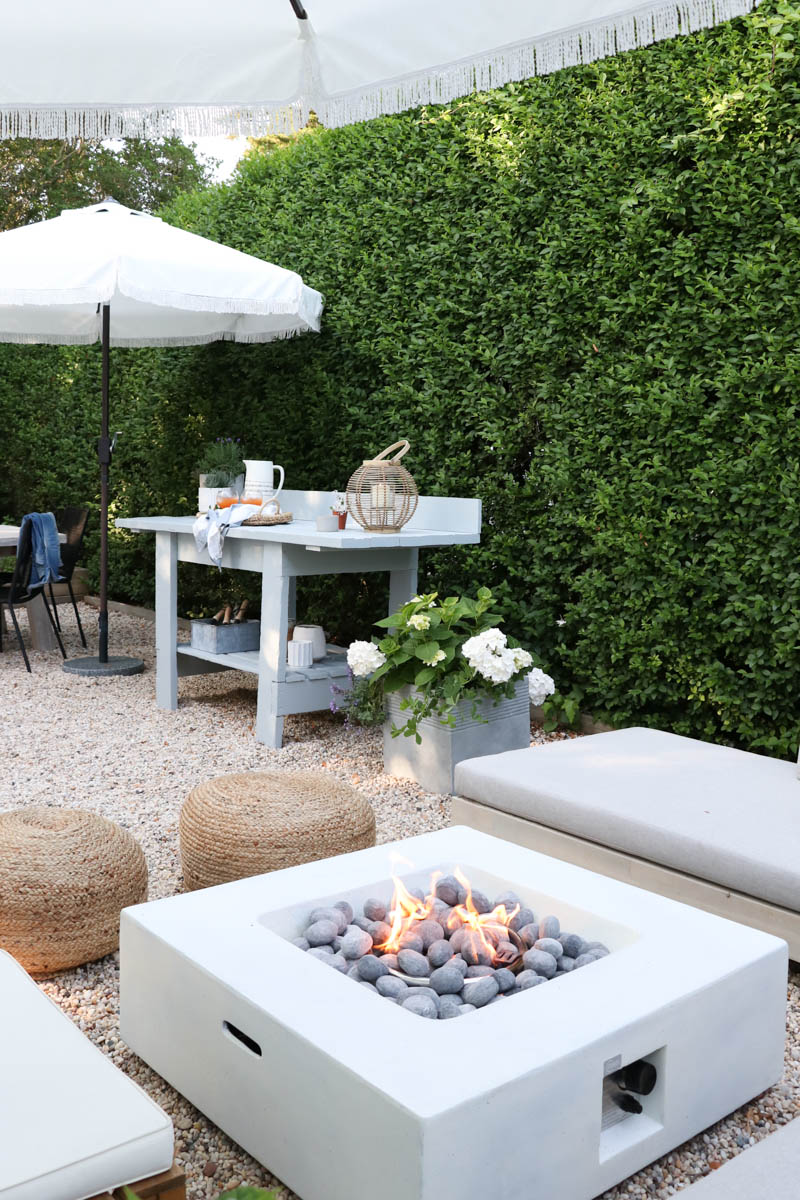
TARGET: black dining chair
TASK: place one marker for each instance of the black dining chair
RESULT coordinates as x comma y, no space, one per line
19,591
72,522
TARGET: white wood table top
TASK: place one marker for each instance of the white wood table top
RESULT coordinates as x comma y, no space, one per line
9,536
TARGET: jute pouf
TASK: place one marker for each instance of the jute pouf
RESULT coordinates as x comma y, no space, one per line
240,825
64,876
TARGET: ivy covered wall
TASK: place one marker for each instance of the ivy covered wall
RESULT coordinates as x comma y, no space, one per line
579,298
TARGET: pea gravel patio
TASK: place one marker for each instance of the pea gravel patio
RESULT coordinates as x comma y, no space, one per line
102,745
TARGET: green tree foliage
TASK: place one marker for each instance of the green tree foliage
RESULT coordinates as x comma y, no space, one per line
40,178
579,298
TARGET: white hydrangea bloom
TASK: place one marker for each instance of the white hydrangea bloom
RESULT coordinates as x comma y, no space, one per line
489,655
540,686
364,657
419,621
522,659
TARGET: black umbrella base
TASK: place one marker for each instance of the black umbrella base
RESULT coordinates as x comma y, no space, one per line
117,664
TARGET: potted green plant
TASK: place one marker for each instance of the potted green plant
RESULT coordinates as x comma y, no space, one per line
453,684
221,466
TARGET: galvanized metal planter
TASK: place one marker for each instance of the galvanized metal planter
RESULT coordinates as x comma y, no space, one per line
504,726
226,639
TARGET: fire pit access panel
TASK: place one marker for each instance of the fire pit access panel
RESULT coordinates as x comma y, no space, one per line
512,1101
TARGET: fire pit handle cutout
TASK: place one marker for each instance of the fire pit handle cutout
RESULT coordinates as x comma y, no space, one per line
248,1042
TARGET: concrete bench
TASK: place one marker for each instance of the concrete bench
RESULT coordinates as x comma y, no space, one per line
72,1126
713,827
770,1169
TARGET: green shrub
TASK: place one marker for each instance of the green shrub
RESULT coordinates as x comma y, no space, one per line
579,298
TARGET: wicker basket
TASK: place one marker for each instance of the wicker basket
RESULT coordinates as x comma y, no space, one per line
240,825
382,495
65,874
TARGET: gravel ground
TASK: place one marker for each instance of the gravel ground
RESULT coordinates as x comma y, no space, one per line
104,746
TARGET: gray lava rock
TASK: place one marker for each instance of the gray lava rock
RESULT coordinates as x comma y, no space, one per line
480,991
525,916
371,968
356,942
411,962
440,911
338,961
447,980
473,950
370,986
598,949
417,893
509,900
529,934
551,945
323,952
480,902
427,991
573,944
301,943
353,973
584,959
466,1008
374,910
461,963
457,938
336,944
360,923
565,965
430,931
392,987
528,979
411,941
506,980
389,959
450,1006
379,931
447,889
549,927
439,952
329,914
347,909
423,1006
321,933
479,971
541,962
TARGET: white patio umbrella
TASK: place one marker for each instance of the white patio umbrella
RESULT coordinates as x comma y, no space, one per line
108,273
161,67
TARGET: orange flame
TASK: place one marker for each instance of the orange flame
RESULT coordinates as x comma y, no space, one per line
485,931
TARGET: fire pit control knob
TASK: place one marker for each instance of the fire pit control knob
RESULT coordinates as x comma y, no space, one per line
639,1077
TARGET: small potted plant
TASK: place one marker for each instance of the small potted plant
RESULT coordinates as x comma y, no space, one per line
339,509
453,684
221,467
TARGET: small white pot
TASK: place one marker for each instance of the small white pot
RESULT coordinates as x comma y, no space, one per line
327,524
314,634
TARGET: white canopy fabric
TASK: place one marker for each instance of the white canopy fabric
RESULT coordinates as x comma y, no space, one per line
200,67
165,287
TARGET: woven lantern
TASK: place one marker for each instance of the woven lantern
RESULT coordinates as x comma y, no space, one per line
382,495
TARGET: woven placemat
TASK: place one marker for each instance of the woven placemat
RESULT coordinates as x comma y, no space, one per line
274,519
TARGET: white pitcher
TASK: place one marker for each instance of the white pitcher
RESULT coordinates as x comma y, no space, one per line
260,477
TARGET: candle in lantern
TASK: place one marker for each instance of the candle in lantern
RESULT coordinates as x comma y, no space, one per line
382,496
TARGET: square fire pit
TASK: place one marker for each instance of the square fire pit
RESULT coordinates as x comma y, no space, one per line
345,1095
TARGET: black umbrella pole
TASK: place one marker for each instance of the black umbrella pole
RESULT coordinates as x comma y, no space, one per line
104,454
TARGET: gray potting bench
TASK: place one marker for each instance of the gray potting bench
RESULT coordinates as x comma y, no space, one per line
282,553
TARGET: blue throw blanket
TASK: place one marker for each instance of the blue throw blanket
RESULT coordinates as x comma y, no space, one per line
46,558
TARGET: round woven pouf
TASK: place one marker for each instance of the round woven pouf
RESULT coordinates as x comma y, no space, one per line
240,825
64,876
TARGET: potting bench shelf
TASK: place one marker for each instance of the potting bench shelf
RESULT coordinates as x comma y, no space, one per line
281,553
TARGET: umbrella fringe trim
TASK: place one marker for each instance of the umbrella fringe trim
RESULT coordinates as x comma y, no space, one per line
652,22
201,339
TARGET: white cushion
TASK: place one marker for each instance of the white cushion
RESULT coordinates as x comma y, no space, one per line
719,814
71,1124
770,1169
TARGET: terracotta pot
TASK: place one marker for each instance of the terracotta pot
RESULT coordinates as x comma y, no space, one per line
342,519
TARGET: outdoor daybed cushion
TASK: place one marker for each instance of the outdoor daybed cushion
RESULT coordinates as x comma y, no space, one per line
71,1124
721,815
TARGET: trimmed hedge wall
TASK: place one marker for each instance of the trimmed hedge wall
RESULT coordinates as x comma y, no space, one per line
579,298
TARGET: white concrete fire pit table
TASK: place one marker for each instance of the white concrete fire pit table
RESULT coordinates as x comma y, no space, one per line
346,1096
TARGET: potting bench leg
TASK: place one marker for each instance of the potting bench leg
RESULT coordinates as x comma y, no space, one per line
275,588
166,620
403,582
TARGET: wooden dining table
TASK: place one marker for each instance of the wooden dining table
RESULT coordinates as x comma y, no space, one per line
42,636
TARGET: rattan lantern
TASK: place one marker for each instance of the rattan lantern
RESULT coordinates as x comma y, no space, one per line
382,495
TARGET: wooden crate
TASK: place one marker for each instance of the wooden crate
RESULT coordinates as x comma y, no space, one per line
169,1185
